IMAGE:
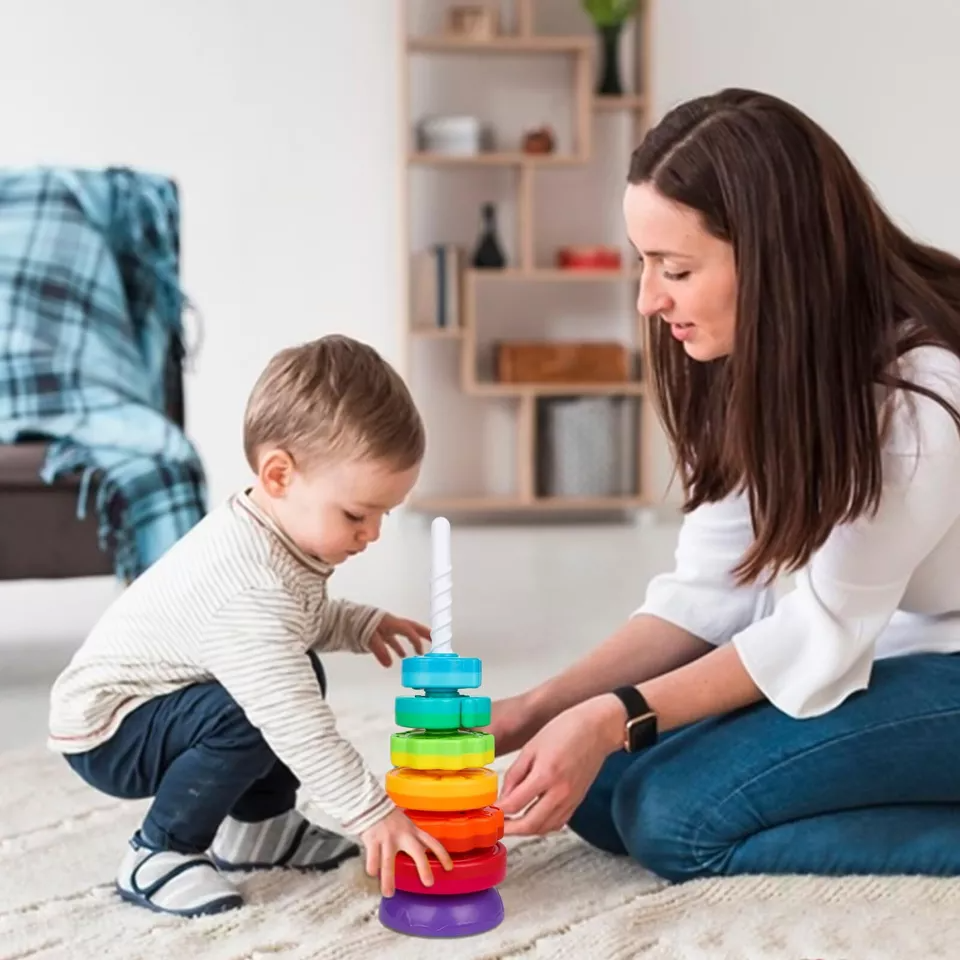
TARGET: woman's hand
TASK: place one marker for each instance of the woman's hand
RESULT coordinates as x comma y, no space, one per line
387,637
556,768
513,721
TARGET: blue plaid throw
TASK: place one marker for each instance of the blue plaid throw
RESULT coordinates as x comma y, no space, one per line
90,306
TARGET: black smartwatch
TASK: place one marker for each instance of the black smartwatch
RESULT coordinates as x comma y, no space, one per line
640,729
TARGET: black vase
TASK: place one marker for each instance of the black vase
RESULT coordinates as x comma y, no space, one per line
609,83
489,254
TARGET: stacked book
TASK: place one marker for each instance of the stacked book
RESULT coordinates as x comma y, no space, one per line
436,286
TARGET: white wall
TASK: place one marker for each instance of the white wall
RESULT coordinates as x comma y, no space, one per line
883,82
279,120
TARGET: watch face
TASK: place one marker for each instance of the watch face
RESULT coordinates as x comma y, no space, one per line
641,732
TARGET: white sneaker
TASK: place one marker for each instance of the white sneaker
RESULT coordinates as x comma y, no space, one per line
288,840
184,884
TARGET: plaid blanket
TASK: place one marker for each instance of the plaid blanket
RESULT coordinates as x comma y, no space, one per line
90,306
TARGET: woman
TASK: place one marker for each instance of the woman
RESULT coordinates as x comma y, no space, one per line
804,357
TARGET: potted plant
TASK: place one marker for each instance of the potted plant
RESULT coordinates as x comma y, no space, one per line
608,18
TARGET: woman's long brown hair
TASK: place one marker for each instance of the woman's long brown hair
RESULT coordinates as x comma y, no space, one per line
829,294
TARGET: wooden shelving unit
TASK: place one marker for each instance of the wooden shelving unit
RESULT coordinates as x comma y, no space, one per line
580,49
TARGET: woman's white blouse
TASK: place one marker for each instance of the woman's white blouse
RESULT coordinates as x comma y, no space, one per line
883,585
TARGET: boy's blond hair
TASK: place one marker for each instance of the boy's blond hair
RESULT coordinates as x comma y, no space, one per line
333,398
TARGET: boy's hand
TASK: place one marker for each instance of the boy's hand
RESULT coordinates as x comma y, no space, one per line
387,638
398,832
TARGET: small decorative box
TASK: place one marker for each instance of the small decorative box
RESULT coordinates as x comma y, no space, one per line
451,136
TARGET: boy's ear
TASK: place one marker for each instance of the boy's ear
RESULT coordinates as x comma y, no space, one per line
276,472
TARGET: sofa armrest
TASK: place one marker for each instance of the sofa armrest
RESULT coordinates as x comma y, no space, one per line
21,463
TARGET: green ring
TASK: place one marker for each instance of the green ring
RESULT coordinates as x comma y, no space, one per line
448,746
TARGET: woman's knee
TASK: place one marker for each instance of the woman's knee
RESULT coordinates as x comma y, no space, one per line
664,826
592,821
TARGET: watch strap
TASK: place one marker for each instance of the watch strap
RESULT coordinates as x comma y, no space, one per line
640,728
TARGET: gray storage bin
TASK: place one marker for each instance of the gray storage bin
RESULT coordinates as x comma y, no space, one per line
587,447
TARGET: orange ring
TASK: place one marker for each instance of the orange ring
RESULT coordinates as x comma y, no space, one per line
464,831
442,790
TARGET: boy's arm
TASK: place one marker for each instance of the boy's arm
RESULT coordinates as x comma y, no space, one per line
345,625
258,650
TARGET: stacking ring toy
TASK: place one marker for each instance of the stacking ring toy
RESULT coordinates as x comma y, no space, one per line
440,780
440,671
464,831
442,713
471,873
441,751
454,915
441,790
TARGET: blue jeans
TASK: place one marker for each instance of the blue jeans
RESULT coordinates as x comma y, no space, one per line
196,753
873,787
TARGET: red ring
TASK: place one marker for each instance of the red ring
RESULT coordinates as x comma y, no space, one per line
471,873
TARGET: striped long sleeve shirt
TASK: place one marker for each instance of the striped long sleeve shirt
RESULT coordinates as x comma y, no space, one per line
234,601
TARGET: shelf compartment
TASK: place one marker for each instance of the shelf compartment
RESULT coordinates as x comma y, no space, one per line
585,447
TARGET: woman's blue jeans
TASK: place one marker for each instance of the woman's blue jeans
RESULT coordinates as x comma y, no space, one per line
873,787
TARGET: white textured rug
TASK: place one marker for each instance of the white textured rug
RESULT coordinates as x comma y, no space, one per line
60,843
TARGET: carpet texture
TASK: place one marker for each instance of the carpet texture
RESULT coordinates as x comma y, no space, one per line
60,843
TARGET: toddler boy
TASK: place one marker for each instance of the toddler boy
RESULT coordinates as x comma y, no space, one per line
201,686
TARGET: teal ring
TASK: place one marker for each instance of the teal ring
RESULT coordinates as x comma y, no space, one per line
441,672
442,713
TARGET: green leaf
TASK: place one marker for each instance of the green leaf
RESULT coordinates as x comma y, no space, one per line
609,13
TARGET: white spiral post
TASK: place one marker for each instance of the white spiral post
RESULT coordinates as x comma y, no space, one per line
441,588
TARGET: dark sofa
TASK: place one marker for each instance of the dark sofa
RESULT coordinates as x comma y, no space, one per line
40,534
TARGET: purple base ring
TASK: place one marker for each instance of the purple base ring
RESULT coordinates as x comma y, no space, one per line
435,915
